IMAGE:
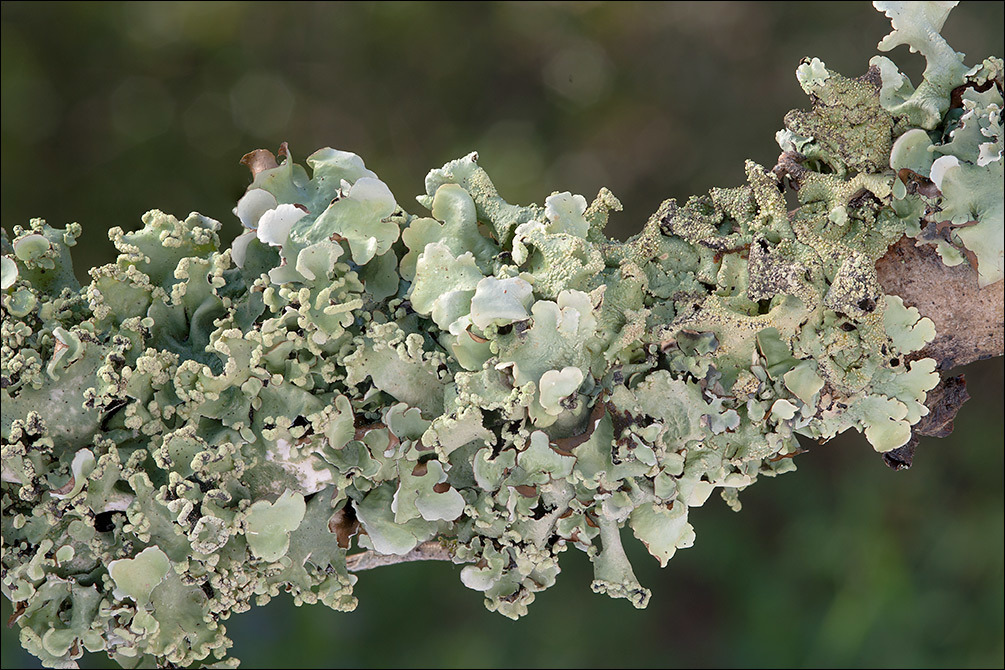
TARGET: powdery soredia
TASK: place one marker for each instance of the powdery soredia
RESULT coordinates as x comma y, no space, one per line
196,430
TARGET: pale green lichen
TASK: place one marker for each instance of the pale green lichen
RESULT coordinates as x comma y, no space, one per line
950,168
196,430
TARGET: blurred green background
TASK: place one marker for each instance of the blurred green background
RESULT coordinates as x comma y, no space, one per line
112,109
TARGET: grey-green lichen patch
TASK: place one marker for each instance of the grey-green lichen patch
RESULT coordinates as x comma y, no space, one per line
136,577
198,429
918,25
268,525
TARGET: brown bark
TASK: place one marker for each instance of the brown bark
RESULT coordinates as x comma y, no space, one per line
968,323
426,551
969,320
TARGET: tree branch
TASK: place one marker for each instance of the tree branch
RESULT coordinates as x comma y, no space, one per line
968,319
433,550
968,322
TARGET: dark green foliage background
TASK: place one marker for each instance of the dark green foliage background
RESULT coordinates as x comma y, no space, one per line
112,109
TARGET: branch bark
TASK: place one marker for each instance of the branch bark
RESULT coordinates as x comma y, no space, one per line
969,322
433,550
968,319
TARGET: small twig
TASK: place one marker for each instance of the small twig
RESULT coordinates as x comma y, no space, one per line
427,551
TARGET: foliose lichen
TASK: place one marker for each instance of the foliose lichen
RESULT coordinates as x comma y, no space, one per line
198,429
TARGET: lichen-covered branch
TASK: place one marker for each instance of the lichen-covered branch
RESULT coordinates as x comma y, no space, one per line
351,385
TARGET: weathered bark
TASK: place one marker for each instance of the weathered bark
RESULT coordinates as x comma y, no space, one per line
943,402
970,321
426,551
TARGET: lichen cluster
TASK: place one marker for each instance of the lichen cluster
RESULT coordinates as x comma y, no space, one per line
199,429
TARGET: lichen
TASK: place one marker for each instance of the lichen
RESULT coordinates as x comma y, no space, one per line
199,428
